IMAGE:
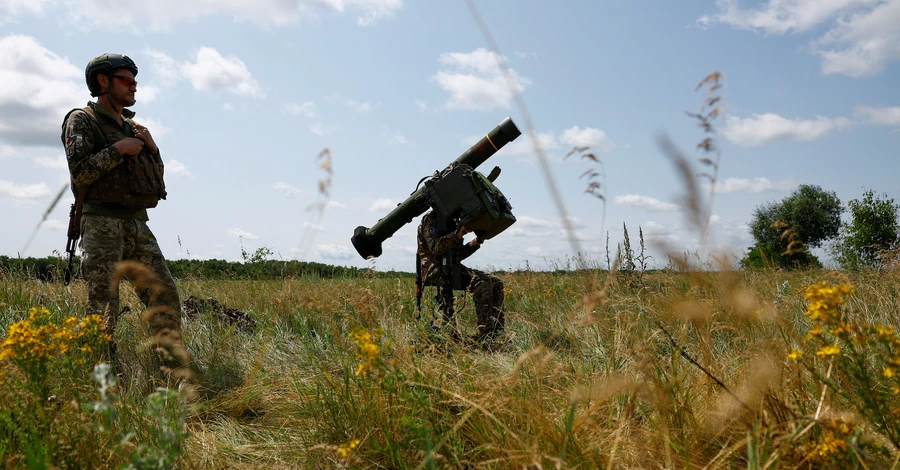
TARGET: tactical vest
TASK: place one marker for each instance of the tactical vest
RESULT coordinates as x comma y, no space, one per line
135,183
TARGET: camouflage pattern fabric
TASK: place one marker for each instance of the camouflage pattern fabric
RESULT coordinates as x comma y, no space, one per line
487,289
108,240
85,164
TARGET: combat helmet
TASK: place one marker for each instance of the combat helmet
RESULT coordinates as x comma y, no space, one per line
105,64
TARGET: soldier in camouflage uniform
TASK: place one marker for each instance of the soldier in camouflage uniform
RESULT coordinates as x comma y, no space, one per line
117,174
486,288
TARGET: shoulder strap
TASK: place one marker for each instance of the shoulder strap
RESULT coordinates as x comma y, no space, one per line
99,135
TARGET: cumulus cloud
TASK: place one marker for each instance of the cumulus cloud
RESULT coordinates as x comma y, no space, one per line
210,71
860,39
166,69
307,109
527,226
37,88
161,14
23,192
287,190
398,139
239,233
587,137
313,227
335,252
755,185
322,129
56,163
525,145
382,205
885,116
475,81
53,224
361,107
335,205
177,168
769,127
421,105
646,203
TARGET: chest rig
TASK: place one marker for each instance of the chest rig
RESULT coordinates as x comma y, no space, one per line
135,183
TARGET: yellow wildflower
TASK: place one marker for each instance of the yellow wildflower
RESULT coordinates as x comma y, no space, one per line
888,372
344,449
815,333
795,355
828,351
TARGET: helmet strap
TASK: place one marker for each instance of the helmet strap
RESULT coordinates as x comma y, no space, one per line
109,95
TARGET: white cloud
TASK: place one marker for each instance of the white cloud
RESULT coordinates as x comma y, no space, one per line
227,107
525,145
18,7
335,252
37,88
361,107
177,168
756,185
161,14
57,163
322,129
861,37
535,251
886,116
156,128
313,227
527,226
239,233
287,190
53,224
864,43
397,139
212,72
769,127
23,192
307,109
421,105
587,137
146,94
335,205
646,202
382,205
476,81
165,68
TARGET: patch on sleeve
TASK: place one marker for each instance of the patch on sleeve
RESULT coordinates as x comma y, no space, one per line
70,141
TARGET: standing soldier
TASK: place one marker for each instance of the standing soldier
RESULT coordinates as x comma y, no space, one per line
116,175
486,288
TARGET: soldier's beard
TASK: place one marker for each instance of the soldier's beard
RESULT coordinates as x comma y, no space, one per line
122,100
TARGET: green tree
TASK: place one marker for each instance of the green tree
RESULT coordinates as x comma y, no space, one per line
873,229
813,216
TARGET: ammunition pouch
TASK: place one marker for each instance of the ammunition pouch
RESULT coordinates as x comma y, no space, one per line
468,197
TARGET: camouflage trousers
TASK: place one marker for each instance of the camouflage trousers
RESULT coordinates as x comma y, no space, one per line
106,241
487,292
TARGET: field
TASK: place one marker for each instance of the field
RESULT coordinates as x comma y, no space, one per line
662,369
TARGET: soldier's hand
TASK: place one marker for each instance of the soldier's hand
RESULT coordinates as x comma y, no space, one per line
129,146
462,232
143,133
476,242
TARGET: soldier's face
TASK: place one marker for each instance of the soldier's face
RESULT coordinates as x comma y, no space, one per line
123,87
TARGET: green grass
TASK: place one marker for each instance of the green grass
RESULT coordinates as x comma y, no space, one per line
583,380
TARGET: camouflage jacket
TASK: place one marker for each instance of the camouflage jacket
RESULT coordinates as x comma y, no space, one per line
432,244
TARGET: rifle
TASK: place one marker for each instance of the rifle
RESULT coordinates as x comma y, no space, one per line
74,233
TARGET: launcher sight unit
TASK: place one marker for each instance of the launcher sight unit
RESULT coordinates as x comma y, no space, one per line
458,194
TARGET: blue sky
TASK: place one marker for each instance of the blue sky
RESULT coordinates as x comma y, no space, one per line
244,97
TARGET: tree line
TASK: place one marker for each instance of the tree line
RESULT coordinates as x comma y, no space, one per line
810,217
51,269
